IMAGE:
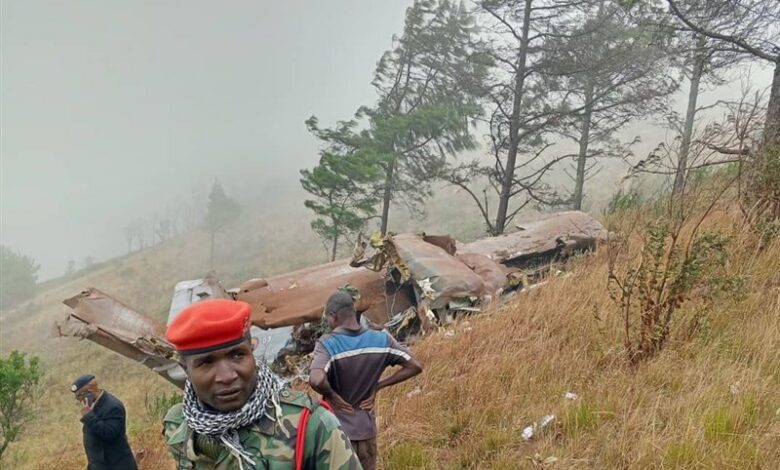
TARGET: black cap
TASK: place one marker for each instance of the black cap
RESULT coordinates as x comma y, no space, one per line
81,381
339,301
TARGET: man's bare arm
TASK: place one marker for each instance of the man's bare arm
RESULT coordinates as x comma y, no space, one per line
408,370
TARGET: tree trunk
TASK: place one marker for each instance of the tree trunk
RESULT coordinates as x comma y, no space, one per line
582,157
334,247
772,125
690,115
514,125
211,250
388,197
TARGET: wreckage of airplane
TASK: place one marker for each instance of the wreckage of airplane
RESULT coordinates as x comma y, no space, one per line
406,283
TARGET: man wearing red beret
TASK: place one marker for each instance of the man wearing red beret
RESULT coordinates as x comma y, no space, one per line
236,413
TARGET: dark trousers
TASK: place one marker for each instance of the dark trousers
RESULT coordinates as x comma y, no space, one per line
366,453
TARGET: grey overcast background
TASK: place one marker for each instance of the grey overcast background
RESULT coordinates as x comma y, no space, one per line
111,108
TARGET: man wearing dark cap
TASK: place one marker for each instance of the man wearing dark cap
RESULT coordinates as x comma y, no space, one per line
236,413
104,418
347,367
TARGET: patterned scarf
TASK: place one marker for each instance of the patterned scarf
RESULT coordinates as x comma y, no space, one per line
224,426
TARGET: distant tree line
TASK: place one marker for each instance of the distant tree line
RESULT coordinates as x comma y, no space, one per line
18,277
515,79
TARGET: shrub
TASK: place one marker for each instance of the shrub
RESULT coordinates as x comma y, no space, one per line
18,379
158,405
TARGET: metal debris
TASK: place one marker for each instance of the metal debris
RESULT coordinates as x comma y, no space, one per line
110,323
409,284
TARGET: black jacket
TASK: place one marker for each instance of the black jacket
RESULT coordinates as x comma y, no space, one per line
105,439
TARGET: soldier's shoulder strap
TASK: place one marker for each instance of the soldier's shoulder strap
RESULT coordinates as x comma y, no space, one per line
303,424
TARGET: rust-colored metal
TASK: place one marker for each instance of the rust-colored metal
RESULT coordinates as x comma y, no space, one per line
300,296
433,269
477,269
547,236
110,323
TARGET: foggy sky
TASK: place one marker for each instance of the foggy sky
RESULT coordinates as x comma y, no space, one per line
109,109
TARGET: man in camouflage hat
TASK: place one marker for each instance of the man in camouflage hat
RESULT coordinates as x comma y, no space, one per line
236,413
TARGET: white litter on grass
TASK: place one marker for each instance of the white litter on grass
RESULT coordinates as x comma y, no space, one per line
449,334
734,388
414,392
530,431
570,396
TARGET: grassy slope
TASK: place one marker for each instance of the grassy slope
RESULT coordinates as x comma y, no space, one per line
264,242
510,368
482,386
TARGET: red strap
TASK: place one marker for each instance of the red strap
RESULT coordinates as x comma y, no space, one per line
300,439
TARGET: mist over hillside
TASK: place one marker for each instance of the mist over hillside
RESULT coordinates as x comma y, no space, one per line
109,116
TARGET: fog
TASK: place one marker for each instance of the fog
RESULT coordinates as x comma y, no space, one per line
111,110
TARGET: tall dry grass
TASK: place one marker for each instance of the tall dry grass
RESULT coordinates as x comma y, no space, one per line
710,399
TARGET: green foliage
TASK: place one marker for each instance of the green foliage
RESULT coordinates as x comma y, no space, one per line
404,456
669,268
341,185
427,86
680,455
18,379
578,418
159,404
622,201
18,277
719,424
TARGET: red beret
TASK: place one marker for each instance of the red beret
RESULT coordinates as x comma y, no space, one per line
209,325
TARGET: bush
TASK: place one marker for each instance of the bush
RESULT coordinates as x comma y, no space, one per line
670,266
158,405
18,379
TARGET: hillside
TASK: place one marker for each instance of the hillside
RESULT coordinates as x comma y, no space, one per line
709,400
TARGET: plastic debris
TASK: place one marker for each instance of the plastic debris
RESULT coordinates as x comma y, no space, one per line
449,334
734,388
530,431
570,396
414,392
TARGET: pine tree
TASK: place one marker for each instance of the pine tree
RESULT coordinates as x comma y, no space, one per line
220,211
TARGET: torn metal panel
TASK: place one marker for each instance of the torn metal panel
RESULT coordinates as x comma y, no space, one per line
300,296
186,293
112,324
439,275
542,239
93,306
493,274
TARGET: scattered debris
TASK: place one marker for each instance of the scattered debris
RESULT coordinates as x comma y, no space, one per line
532,430
570,396
410,285
414,392
734,388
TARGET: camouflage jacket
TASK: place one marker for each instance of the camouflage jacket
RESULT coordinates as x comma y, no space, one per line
272,444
